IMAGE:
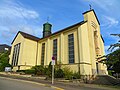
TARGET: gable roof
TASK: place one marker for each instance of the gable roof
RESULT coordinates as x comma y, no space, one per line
31,37
94,14
26,35
79,23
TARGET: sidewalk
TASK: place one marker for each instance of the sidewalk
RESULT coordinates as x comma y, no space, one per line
56,83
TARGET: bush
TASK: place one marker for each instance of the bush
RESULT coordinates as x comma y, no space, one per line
49,70
68,73
76,75
30,71
3,65
59,73
20,71
38,70
4,61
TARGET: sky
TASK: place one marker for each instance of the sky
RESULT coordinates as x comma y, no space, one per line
30,15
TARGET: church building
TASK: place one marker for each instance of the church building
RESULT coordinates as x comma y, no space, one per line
78,47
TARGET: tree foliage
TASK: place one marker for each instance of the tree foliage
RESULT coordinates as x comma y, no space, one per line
113,61
4,60
112,46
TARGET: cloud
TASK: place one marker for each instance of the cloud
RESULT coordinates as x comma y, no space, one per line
15,16
104,4
109,21
15,10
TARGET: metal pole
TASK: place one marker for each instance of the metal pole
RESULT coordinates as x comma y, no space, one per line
53,74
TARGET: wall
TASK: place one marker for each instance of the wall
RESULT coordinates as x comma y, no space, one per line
29,52
19,39
62,54
84,49
27,55
95,43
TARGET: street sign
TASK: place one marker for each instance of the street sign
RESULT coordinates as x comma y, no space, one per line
53,58
53,62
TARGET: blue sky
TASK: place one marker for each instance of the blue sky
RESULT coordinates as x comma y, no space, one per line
29,16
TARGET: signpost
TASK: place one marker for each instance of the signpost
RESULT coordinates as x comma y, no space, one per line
53,63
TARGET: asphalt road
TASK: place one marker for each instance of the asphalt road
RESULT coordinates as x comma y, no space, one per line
11,84
16,84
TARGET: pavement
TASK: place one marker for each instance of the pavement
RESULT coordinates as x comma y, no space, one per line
57,85
13,84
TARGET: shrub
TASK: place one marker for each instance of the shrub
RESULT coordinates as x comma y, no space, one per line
76,75
4,60
59,73
68,73
20,71
39,69
49,70
29,71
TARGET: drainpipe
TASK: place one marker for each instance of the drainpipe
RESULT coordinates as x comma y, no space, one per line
78,53
36,53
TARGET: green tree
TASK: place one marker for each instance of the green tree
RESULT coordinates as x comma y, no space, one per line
113,61
4,60
112,46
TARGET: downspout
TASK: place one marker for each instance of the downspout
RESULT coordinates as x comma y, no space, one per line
78,52
36,53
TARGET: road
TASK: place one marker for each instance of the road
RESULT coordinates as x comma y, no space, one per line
16,84
11,84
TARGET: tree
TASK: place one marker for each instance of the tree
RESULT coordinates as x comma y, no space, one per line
4,60
113,61
112,46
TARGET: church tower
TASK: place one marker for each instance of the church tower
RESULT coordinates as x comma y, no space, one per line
46,29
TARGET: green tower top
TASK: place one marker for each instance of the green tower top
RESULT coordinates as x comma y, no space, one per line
46,29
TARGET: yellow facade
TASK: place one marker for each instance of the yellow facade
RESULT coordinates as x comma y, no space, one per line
88,46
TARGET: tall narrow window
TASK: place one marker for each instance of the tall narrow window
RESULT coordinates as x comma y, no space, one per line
71,48
43,54
13,57
16,54
55,49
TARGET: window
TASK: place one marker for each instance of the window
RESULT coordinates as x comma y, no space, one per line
16,54
55,49
71,48
43,54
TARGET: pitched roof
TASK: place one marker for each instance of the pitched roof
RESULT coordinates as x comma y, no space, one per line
94,13
26,35
79,23
31,37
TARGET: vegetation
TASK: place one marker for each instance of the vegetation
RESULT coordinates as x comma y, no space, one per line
47,71
112,60
113,46
4,60
38,70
